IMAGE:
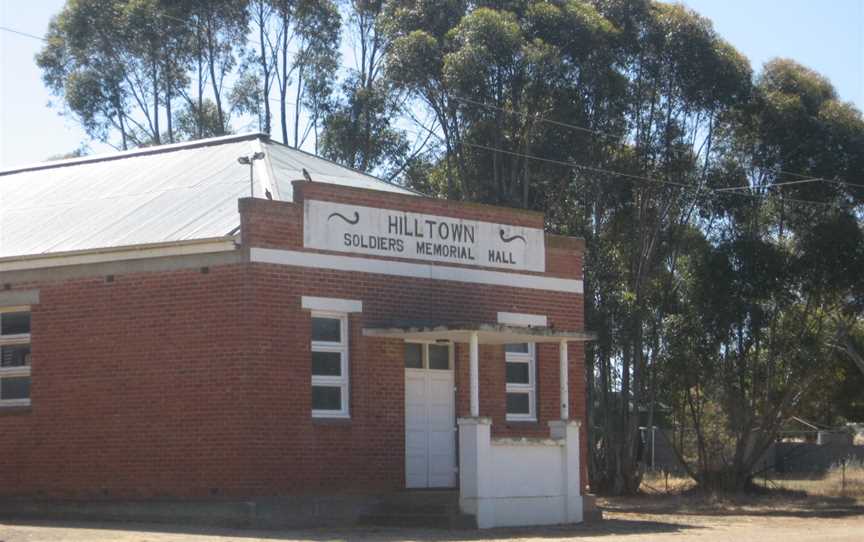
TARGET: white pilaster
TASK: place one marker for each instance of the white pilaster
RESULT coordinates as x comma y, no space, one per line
564,377
474,361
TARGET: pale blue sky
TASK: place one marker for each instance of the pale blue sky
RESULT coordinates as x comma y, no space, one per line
825,35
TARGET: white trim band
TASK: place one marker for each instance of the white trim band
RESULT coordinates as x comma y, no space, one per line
413,270
135,252
331,304
522,320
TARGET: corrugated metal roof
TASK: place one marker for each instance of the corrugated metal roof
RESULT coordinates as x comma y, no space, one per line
160,194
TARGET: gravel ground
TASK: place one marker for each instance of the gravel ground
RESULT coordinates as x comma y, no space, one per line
631,520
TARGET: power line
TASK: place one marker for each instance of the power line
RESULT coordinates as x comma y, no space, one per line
578,166
832,181
541,119
610,135
772,185
512,111
809,178
25,34
703,190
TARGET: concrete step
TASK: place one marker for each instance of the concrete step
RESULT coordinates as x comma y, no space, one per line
427,510
423,497
437,509
424,521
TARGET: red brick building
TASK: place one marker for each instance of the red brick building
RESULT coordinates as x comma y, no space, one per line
170,330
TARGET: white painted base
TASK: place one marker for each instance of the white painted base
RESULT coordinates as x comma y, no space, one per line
523,511
513,482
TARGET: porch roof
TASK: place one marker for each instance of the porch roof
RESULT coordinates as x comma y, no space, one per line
486,333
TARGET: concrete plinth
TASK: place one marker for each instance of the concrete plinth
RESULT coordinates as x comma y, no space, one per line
516,482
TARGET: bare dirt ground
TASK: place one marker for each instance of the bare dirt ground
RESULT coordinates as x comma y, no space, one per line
781,517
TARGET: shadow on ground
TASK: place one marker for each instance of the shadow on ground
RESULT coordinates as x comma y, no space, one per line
598,529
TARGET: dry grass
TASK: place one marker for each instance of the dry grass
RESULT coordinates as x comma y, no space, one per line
837,482
663,483
834,483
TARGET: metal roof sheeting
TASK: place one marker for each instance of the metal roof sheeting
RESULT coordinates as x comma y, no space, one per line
156,195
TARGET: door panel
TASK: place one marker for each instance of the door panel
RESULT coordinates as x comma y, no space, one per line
416,434
430,435
442,434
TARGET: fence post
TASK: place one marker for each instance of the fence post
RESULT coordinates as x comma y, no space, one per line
653,437
843,478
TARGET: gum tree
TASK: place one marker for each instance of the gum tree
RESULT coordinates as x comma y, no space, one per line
766,306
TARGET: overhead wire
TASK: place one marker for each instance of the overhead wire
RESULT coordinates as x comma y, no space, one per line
772,185
608,134
575,127
13,31
703,190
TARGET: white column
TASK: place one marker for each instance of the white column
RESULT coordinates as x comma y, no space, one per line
474,359
476,473
571,473
565,379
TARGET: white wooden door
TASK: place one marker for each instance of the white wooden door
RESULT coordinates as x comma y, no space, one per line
430,422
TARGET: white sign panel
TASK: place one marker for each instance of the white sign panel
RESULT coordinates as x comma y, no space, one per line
400,234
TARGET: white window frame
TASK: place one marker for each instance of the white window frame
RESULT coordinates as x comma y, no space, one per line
342,381
424,355
13,340
529,389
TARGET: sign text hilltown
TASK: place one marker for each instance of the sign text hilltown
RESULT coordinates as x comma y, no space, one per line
386,232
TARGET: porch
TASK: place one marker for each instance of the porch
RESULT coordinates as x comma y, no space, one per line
507,481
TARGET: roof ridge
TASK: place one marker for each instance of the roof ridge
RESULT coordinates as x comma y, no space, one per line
139,151
355,170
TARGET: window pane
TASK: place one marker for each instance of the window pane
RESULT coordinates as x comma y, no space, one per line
518,373
17,387
14,323
17,355
439,356
326,363
326,398
518,403
327,329
518,348
413,356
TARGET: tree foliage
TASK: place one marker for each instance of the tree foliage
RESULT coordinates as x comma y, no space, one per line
359,130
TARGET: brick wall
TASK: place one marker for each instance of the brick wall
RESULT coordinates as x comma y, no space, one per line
137,386
197,382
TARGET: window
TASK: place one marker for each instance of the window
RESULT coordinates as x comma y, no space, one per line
14,357
427,356
414,355
329,365
520,361
439,356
